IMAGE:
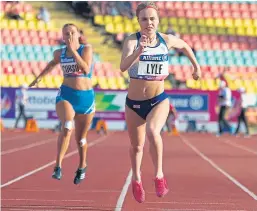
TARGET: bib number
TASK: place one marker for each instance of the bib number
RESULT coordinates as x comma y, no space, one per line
153,69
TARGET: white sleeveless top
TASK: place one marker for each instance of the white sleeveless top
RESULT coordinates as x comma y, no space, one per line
153,64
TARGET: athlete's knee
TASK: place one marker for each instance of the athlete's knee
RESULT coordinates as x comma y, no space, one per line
152,132
67,127
137,148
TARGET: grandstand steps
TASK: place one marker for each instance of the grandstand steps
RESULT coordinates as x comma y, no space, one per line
62,14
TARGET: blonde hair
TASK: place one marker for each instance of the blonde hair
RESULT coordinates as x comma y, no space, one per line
144,5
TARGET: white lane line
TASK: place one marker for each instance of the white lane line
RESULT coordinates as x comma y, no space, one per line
214,165
9,151
51,163
240,146
17,137
123,193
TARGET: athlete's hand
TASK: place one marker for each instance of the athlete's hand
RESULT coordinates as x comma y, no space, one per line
197,74
71,44
143,42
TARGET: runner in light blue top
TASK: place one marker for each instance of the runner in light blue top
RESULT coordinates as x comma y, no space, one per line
75,99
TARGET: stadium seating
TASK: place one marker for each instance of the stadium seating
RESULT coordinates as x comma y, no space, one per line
222,35
27,46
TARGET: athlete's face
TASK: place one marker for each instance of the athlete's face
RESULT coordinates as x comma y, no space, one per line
70,32
148,20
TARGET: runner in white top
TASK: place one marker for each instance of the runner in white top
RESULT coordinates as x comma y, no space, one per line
145,56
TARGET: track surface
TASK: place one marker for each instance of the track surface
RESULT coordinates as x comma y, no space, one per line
203,173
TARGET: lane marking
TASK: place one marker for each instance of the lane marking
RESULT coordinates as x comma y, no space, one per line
98,140
214,165
123,193
9,151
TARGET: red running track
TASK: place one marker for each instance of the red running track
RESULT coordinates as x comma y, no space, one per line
203,173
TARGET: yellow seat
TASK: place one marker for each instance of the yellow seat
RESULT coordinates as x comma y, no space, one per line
254,21
240,31
193,29
1,15
48,79
32,25
29,78
29,16
108,19
238,22
203,30
231,31
128,28
182,21
94,81
50,26
210,22
200,22
58,80
133,20
238,83
173,21
21,80
99,20
184,29
167,85
190,83
163,28
248,22
192,22
12,79
41,84
136,27
4,24
229,22
112,83
110,28
119,28
221,31
12,24
118,19
219,22
4,81
41,26
164,21
103,83
22,24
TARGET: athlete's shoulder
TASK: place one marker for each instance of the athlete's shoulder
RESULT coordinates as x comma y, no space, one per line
166,37
169,39
58,52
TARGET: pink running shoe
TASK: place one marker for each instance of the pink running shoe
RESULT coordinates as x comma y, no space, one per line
161,187
138,191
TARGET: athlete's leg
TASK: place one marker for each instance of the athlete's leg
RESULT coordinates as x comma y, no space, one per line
66,115
82,125
154,123
136,132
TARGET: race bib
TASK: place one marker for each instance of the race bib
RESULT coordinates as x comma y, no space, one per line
70,68
153,65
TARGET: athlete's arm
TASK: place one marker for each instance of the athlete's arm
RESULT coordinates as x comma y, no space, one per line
85,60
174,42
129,56
49,67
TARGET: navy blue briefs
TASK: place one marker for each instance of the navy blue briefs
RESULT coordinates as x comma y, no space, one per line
144,107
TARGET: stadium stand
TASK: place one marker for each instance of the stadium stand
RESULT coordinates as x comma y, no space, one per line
223,35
